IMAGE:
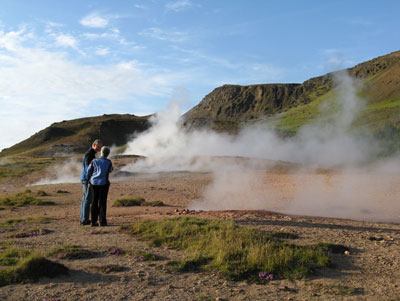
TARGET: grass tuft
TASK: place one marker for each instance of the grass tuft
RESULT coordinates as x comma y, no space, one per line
30,269
137,201
25,198
71,252
238,252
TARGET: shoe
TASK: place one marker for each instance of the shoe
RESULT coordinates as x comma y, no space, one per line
95,225
85,223
103,224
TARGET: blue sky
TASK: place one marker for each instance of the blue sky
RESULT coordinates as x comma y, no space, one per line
63,60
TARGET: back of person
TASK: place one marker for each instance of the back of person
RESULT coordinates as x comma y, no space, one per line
100,169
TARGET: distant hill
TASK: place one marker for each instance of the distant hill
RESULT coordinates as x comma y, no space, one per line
76,135
288,106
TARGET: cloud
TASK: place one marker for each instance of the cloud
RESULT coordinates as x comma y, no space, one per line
102,51
66,40
94,21
38,86
178,5
159,34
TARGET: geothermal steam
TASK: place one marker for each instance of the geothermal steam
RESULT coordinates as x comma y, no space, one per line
350,191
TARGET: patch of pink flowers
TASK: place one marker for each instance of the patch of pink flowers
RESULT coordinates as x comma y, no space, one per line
116,251
266,276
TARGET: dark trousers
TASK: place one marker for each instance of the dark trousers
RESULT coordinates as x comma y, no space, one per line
99,203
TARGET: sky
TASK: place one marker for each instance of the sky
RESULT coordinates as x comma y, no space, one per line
62,60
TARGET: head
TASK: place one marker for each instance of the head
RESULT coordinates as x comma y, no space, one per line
105,151
97,144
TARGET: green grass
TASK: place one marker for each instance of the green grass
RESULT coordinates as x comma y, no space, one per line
237,252
71,252
17,167
10,224
25,198
142,255
137,201
12,255
21,266
30,269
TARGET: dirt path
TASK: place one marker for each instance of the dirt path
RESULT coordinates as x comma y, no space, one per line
370,272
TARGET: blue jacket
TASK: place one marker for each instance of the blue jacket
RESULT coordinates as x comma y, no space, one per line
98,171
86,159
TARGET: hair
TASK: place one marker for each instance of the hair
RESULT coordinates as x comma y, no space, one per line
97,141
105,151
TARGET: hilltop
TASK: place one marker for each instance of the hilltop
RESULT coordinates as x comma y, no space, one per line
72,136
289,106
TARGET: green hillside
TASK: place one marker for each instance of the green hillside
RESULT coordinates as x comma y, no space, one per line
76,135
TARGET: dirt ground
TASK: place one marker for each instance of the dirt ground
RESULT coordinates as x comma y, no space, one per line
369,272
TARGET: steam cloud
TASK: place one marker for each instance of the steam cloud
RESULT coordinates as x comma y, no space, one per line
66,172
350,191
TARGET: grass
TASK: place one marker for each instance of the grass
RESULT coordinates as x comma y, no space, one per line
31,233
237,252
142,255
137,201
22,266
71,252
25,198
30,269
10,224
18,167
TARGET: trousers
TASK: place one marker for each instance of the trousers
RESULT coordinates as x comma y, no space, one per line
99,204
87,197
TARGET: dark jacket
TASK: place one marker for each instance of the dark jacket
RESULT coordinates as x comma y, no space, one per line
86,160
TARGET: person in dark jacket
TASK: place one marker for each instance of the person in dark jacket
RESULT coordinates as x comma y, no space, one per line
87,191
98,173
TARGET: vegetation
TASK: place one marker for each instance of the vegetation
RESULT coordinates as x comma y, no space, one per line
137,201
71,252
25,198
10,224
237,252
12,168
21,266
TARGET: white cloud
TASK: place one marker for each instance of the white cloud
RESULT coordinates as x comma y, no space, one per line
38,87
178,5
95,21
102,51
66,40
159,34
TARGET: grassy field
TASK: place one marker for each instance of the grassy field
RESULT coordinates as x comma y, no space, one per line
236,252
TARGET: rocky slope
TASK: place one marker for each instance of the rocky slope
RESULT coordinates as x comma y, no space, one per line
231,105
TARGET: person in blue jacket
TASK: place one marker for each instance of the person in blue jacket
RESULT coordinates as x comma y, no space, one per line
98,173
87,191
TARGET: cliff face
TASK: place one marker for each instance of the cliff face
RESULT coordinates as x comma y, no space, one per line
233,104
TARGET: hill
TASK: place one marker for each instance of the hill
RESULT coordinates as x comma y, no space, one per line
288,106
76,135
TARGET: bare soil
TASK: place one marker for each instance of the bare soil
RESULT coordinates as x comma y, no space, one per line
370,271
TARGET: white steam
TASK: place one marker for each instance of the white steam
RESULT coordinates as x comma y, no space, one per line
246,184
68,171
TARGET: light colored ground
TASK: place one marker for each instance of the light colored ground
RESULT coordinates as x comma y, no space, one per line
370,272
